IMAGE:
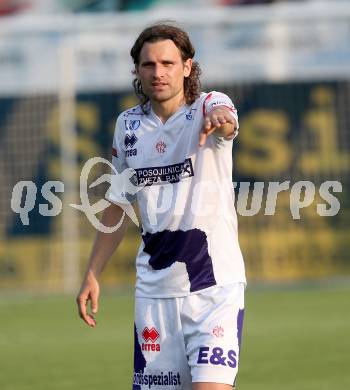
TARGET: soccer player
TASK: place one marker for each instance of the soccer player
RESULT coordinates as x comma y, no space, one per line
190,283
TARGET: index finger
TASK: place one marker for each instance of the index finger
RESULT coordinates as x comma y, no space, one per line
207,123
202,138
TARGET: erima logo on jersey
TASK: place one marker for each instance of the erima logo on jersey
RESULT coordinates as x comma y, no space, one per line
130,140
132,124
131,153
166,174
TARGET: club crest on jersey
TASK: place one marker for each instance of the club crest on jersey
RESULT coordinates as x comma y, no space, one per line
160,146
150,337
132,124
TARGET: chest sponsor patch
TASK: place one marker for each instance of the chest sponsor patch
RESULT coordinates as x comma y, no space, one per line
166,174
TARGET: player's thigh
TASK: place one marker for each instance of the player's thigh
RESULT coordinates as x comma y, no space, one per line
160,358
212,325
210,386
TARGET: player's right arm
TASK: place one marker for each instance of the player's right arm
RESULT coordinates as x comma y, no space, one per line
103,248
220,117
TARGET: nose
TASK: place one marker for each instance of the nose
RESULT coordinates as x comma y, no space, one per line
158,71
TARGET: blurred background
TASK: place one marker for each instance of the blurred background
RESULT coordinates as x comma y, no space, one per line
65,75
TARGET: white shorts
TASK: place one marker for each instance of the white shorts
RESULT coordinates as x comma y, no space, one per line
188,339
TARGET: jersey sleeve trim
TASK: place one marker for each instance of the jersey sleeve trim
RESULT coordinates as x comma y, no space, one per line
216,99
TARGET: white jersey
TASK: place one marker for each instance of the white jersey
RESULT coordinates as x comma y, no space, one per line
185,197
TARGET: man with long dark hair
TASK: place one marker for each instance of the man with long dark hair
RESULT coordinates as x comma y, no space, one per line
190,273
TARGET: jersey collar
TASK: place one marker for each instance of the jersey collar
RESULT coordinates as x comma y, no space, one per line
182,109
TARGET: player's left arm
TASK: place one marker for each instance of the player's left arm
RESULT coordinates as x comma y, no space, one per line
219,121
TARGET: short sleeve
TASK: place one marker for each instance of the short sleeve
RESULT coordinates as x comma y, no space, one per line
216,99
123,188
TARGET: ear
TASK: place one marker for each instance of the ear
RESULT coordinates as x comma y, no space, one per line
187,67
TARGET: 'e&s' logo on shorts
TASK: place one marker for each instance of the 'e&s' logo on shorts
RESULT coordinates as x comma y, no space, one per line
217,357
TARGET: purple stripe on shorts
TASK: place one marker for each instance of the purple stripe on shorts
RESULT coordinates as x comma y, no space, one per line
139,360
240,318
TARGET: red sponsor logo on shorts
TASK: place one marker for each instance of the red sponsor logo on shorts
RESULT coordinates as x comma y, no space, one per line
218,331
150,335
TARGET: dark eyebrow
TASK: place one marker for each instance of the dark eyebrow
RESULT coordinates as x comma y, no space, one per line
145,63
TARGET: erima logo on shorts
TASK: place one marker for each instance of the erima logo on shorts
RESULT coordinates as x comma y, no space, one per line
150,335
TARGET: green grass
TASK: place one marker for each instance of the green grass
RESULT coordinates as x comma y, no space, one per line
294,339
